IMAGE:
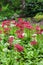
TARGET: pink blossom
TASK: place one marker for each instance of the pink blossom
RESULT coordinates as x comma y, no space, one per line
19,47
20,36
6,22
10,40
38,28
33,42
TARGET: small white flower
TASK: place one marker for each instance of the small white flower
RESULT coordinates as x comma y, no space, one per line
12,25
34,35
5,50
7,44
11,36
24,34
42,33
16,41
5,26
34,39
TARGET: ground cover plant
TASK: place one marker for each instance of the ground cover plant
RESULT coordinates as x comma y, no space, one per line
20,43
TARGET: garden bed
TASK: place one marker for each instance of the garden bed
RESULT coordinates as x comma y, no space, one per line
21,43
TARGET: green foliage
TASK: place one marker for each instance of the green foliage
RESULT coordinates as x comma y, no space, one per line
32,8
38,17
9,7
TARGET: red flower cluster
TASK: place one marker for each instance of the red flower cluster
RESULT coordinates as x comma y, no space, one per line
18,47
33,42
19,34
23,24
6,22
20,30
28,25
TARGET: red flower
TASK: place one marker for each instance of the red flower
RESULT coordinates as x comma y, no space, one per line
20,36
6,22
20,20
38,28
10,40
33,42
6,30
41,31
23,24
38,32
29,27
19,31
19,25
19,47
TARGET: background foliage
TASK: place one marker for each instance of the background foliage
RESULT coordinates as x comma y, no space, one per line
13,8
